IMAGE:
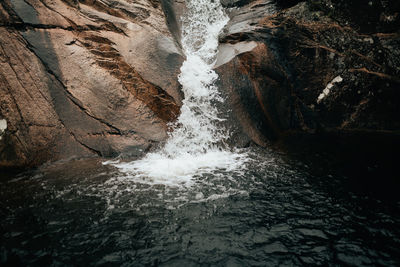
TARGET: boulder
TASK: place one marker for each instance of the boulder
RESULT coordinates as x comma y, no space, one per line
81,78
84,78
310,69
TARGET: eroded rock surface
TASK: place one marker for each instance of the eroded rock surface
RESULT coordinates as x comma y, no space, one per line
83,78
87,77
312,68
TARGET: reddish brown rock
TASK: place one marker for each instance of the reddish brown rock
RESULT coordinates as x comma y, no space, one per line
84,78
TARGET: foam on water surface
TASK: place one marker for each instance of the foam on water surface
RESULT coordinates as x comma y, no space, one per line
156,168
196,145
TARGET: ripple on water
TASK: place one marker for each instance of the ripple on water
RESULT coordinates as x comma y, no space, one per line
83,212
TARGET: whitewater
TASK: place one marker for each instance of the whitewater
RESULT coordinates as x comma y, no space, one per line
197,143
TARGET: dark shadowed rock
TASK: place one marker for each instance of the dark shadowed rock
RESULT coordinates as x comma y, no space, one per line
311,69
84,78
174,10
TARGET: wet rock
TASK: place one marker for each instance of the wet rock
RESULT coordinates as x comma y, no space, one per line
312,69
84,78
255,97
174,10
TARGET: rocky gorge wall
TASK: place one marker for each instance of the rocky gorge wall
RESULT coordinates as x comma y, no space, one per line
87,78
84,78
314,67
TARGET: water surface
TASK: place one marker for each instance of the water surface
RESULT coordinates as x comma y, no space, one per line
277,212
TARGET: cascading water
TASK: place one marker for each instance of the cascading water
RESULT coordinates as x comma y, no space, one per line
196,144
304,207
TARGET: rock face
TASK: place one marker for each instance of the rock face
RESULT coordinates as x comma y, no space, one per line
87,77
83,78
312,68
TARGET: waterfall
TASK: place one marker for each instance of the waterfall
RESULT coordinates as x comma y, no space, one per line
195,146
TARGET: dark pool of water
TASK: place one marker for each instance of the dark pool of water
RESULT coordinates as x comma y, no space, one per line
280,212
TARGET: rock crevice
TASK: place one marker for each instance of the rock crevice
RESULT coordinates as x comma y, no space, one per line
70,86
299,51
81,78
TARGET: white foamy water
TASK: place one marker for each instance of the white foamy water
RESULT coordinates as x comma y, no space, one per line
196,145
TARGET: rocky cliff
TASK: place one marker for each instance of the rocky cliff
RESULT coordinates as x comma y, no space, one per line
83,78
313,67
90,77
